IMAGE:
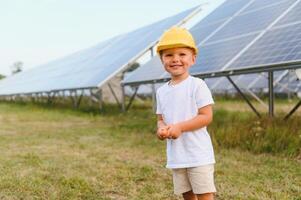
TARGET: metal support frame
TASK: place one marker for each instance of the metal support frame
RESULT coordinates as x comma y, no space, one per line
152,51
232,72
73,98
243,96
79,99
123,98
271,94
132,98
257,98
154,100
100,100
97,97
293,110
50,97
270,69
76,100
115,96
32,98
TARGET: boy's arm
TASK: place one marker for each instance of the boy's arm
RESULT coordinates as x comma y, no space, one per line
204,118
160,121
162,128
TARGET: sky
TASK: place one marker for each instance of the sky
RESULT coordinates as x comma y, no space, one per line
38,31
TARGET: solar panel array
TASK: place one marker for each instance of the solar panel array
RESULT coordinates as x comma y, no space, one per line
289,83
240,34
92,67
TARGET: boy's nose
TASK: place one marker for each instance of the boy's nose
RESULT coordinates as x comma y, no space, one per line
175,59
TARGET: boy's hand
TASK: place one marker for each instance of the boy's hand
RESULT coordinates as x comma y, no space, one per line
174,131
162,132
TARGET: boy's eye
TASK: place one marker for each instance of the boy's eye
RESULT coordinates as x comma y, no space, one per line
182,54
168,55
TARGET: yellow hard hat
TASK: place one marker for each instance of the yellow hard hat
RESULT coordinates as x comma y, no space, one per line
176,37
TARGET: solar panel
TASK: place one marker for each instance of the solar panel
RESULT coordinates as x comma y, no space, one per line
148,71
92,67
214,56
248,22
292,17
200,32
277,45
220,85
241,34
224,11
259,4
243,81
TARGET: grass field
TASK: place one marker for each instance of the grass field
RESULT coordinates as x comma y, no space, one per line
61,153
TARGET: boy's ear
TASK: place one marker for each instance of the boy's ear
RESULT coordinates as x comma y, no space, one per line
194,58
161,58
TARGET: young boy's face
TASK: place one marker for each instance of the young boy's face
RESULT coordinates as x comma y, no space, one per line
177,61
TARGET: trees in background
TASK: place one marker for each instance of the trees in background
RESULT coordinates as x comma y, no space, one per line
17,67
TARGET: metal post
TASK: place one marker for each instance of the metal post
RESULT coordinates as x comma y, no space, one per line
32,97
243,96
91,97
100,102
293,110
79,99
154,101
132,98
123,98
49,98
271,94
152,51
114,95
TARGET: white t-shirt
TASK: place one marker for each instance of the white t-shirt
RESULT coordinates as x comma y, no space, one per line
179,103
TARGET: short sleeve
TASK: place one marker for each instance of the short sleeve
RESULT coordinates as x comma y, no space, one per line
203,94
158,109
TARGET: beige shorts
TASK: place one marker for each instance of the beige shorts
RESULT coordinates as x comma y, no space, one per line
198,179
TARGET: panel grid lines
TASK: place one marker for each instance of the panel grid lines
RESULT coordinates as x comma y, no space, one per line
277,45
263,32
262,4
293,16
92,66
246,23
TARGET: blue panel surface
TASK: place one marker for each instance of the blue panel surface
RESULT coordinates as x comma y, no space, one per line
226,10
152,70
220,85
278,45
202,32
252,82
250,22
214,56
293,16
259,4
91,67
289,83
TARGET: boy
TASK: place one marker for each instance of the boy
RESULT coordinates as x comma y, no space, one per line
184,110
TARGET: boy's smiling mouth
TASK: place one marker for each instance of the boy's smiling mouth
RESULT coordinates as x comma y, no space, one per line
175,65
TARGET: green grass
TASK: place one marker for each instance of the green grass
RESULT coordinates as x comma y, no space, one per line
59,153
247,132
